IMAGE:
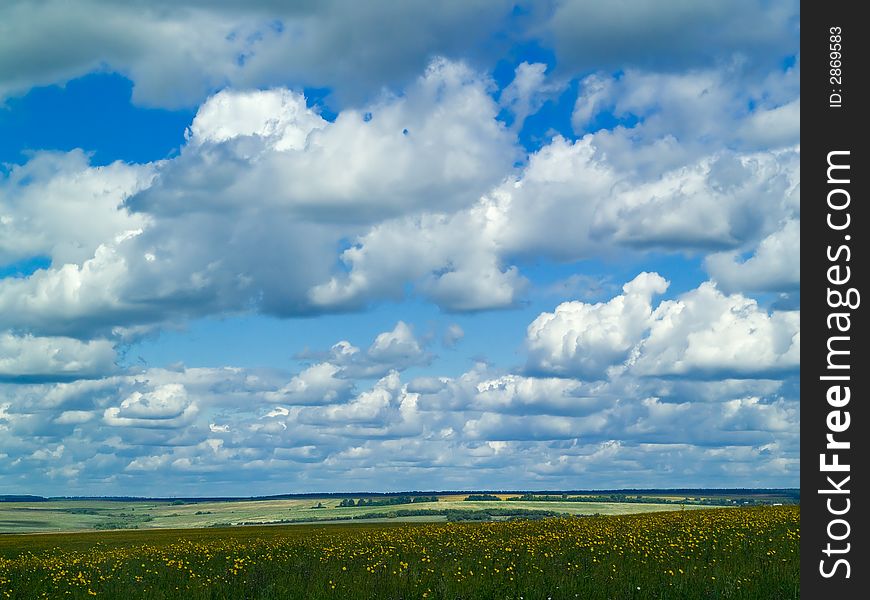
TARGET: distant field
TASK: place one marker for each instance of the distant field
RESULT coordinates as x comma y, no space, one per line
725,553
77,515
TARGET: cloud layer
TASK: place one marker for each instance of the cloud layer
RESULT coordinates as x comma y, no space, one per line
641,166
324,423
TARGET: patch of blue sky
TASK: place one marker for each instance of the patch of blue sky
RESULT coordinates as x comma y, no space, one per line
24,267
530,52
93,113
552,119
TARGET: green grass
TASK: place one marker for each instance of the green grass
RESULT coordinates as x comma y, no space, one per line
728,554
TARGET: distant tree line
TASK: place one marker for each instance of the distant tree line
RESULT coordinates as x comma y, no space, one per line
389,501
452,514
750,501
481,498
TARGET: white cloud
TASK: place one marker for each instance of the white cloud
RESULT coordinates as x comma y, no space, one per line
438,145
394,350
265,193
318,384
394,346
423,435
28,357
369,406
40,199
526,94
176,53
166,406
699,107
74,417
586,339
707,333
410,190
702,333
594,96
46,454
774,127
523,396
774,266
277,114
720,201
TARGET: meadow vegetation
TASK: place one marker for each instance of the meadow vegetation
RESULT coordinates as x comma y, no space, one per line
737,553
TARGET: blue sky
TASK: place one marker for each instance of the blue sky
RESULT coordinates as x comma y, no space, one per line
268,247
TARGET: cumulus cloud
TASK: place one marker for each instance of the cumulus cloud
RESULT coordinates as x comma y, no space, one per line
415,187
774,266
74,417
368,407
702,333
520,396
39,200
721,201
429,171
24,358
707,333
318,384
573,200
394,350
166,406
176,53
277,115
281,182
586,339
437,145
727,103
396,346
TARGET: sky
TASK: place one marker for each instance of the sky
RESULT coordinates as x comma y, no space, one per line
264,247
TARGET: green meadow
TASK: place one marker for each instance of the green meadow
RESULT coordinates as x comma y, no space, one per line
726,553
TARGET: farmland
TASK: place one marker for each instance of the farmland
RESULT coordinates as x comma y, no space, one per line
736,553
76,515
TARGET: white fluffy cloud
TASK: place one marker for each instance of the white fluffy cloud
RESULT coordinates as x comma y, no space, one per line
166,406
40,199
34,358
708,333
317,384
261,175
721,201
702,333
428,171
278,115
574,200
774,266
437,146
584,340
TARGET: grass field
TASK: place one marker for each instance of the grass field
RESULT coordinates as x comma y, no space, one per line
740,553
74,515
